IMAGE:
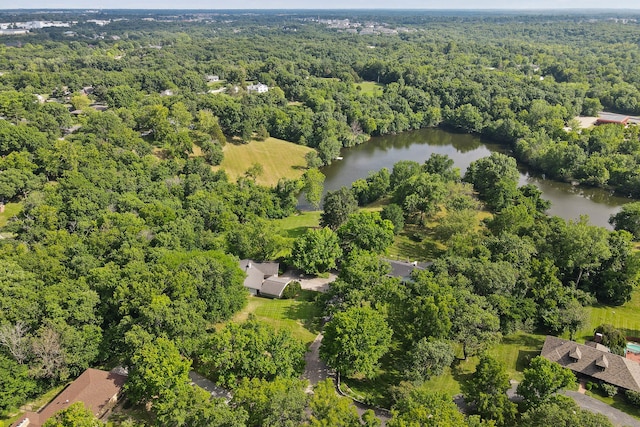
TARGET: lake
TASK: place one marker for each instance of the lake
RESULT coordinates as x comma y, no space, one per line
568,201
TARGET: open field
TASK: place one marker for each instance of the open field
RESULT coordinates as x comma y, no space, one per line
279,159
11,209
295,315
370,88
625,317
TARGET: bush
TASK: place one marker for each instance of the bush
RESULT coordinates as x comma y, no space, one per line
608,389
633,397
589,385
292,290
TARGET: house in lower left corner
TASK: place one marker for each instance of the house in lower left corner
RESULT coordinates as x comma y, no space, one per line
98,390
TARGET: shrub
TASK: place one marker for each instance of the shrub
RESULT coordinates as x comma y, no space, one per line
633,397
292,290
589,385
608,389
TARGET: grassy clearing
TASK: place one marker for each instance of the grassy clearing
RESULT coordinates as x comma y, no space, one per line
370,88
295,315
10,210
516,351
626,318
296,225
279,159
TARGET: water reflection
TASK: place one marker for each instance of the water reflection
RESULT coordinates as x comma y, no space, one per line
568,201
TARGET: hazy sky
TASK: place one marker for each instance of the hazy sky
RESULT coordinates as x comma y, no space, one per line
323,4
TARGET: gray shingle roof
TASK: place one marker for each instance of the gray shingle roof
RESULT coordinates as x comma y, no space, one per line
593,362
274,286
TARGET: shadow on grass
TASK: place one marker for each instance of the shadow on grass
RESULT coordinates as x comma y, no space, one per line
307,313
524,340
524,359
460,373
295,232
377,391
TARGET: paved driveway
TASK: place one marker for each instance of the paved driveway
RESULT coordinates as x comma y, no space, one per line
616,416
215,390
315,370
311,283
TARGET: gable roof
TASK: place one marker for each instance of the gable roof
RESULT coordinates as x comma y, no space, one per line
95,388
257,272
404,269
593,362
254,278
274,286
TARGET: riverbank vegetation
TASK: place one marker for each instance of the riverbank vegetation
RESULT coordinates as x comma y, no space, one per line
124,249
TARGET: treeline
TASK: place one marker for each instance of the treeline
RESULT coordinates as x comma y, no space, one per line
524,92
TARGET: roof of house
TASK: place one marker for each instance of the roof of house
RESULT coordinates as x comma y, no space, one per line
404,269
598,346
605,117
593,362
274,286
257,271
95,388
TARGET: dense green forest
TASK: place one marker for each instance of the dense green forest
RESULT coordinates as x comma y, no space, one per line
124,245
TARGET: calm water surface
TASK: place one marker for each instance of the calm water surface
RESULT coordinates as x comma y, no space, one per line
568,202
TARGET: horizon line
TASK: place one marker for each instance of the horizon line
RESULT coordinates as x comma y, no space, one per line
328,9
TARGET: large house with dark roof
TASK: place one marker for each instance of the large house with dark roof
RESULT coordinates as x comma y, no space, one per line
595,363
98,390
262,278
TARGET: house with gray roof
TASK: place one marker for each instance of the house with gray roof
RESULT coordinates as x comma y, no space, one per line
274,287
403,269
262,278
595,363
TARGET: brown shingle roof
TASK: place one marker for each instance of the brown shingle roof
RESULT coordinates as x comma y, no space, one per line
593,362
95,388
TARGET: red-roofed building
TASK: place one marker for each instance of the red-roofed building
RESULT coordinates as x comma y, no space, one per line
98,390
612,118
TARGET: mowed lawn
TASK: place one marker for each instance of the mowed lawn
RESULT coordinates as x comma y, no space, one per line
296,225
279,159
625,317
295,315
10,209
370,88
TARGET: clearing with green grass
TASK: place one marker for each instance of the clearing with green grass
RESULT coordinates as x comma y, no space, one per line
279,159
625,317
370,88
10,210
296,225
295,315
